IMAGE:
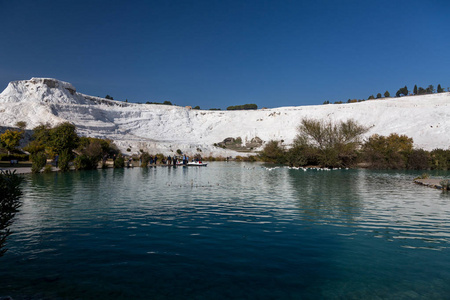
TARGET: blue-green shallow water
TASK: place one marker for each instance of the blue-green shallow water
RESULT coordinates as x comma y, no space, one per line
228,231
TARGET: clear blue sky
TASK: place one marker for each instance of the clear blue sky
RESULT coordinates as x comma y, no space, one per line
220,53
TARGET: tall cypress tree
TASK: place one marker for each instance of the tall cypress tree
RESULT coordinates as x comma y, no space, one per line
402,91
440,89
415,89
405,91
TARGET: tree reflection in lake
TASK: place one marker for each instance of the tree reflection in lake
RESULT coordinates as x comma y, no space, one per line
327,195
385,204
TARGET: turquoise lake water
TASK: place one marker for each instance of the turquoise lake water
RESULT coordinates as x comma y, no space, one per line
228,231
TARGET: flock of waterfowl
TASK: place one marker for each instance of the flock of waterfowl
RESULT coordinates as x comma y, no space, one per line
305,168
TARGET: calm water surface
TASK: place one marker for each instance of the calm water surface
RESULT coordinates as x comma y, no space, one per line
228,231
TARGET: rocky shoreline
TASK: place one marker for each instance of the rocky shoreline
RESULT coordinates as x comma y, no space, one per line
429,182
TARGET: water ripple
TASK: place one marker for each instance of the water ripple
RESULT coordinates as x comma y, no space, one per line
283,230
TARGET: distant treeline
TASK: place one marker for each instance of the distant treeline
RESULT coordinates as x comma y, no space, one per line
401,92
236,107
164,103
243,107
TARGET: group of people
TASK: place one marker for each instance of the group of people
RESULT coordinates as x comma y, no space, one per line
175,160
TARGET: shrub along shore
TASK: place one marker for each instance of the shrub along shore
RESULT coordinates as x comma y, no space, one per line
337,145
318,143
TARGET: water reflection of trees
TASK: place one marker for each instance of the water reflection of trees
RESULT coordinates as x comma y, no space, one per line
327,195
385,204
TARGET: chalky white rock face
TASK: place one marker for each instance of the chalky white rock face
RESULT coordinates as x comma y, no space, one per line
162,128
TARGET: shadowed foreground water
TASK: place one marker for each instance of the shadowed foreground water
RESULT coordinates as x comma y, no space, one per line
228,231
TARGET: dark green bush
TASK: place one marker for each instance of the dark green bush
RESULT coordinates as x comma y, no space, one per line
145,159
63,160
389,152
39,160
85,162
10,193
418,159
119,162
273,152
440,159
296,156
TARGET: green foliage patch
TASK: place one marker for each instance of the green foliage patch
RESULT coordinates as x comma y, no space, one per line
10,193
243,107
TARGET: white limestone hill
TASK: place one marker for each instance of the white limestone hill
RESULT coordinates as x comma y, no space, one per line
163,128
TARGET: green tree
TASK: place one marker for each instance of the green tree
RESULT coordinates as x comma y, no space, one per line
34,147
11,139
421,91
334,143
402,91
107,146
440,89
418,159
415,89
63,137
430,89
92,150
371,97
64,159
440,159
10,193
41,133
119,162
378,95
39,160
389,152
273,152
386,94
297,156
145,159
109,97
85,162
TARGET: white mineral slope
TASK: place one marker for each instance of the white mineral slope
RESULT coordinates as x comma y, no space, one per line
162,128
